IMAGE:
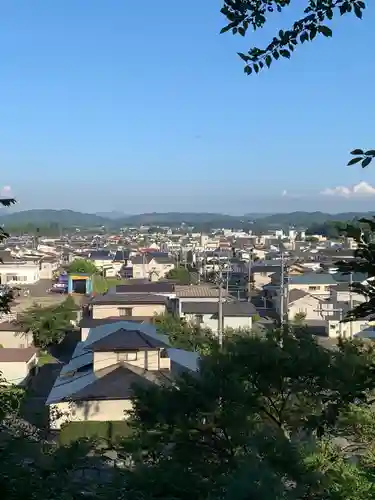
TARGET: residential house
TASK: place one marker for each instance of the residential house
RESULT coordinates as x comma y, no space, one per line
12,335
197,293
300,302
151,266
361,328
48,266
317,284
18,271
127,305
236,314
97,384
18,365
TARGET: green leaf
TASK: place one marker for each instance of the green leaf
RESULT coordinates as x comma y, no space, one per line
285,53
256,68
357,152
244,57
268,61
370,152
304,37
241,31
353,161
248,70
366,162
357,11
324,30
275,54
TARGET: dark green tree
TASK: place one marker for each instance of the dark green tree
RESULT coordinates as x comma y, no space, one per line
181,275
260,422
82,266
49,325
183,334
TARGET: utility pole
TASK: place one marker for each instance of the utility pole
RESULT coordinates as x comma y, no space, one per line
249,270
220,311
351,302
282,289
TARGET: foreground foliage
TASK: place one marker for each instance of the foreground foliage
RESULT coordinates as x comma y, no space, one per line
260,422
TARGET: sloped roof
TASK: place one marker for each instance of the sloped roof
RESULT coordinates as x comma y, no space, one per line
234,309
312,279
122,339
112,382
128,298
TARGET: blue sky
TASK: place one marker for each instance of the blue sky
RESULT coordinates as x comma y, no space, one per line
143,106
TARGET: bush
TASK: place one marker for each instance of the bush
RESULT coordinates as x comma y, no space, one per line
111,431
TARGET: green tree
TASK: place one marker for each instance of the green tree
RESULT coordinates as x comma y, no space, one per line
180,274
362,265
260,422
183,334
82,266
299,318
49,325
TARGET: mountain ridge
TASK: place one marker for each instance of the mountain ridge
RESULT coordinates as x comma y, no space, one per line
71,218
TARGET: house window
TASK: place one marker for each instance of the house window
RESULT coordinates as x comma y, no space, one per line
313,288
332,326
327,288
126,356
125,311
199,318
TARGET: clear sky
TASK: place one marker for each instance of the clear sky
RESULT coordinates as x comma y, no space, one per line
142,106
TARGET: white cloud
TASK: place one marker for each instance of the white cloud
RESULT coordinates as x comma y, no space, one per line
359,190
5,190
284,193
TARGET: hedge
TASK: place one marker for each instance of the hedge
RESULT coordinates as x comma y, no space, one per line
111,431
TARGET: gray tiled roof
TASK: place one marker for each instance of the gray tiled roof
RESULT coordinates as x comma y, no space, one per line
312,279
234,309
124,340
146,288
117,382
128,298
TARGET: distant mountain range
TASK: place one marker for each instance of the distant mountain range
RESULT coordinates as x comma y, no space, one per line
70,218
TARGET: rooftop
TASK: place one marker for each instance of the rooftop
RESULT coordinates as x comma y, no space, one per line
14,355
234,309
312,279
124,340
128,298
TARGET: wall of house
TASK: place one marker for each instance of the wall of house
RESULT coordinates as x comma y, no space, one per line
25,274
17,372
147,360
102,411
315,290
336,329
234,322
309,307
261,279
84,333
15,339
344,296
106,311
47,270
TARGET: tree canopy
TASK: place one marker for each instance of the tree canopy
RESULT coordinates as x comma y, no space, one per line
49,325
262,421
180,274
82,266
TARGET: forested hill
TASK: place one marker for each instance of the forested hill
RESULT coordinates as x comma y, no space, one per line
70,218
